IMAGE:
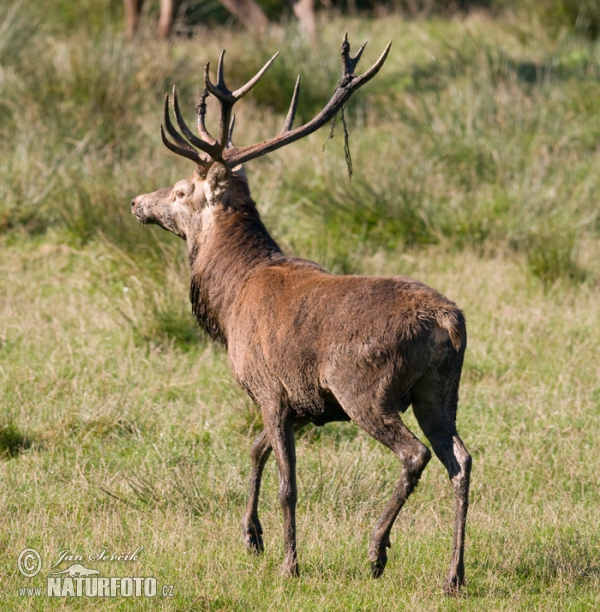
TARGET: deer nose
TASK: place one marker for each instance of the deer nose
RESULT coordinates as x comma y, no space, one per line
133,200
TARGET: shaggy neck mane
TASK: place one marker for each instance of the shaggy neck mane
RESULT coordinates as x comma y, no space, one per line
224,257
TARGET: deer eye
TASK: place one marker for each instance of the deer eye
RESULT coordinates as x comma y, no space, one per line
179,194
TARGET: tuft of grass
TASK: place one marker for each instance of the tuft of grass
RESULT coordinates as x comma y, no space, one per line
552,256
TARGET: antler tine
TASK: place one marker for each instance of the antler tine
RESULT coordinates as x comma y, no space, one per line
184,148
373,70
201,108
349,63
242,91
347,85
219,90
206,147
193,155
175,135
207,82
289,120
220,79
231,127
225,99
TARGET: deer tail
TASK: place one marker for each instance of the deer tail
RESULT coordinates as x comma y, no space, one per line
453,321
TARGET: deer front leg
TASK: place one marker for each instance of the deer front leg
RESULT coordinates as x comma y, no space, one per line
280,429
259,455
251,528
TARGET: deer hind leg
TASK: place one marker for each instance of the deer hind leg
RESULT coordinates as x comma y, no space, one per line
389,429
435,410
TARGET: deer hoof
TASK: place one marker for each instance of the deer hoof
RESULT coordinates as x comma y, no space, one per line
452,586
291,571
377,567
254,543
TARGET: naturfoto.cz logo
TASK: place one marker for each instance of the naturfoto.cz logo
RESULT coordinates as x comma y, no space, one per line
77,580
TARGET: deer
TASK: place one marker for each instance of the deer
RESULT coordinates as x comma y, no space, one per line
248,12
306,345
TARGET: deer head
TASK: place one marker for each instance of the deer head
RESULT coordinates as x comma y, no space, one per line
219,175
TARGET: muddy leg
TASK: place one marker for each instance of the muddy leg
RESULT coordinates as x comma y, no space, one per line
455,457
460,481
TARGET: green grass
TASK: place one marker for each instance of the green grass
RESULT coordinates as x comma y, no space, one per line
476,170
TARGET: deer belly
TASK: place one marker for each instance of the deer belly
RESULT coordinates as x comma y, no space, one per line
322,409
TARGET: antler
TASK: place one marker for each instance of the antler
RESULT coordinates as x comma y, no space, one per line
218,149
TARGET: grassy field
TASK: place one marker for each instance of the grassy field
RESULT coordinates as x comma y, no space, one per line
476,169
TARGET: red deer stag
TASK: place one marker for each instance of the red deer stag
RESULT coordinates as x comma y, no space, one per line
309,346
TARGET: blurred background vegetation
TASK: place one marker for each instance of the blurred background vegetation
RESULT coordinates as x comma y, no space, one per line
486,120
581,16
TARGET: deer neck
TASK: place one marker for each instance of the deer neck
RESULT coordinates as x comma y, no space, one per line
232,244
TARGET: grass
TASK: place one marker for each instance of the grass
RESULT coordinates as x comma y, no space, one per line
136,443
475,170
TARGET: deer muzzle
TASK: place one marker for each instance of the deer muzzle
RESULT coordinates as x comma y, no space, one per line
139,208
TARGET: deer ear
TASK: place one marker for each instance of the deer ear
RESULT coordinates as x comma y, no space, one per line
240,172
